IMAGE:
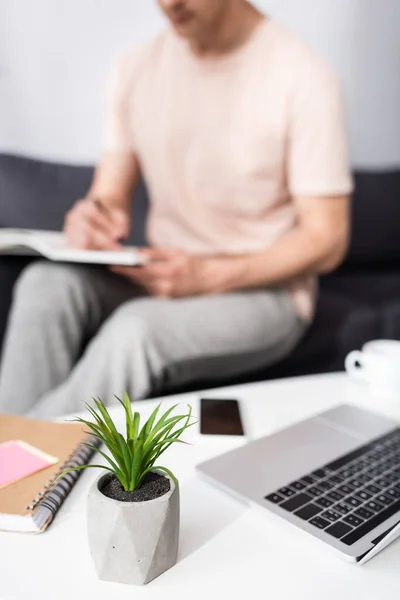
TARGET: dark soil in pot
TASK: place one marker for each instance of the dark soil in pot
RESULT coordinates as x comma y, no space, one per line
153,486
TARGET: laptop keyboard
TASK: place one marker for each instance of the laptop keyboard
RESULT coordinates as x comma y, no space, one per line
351,496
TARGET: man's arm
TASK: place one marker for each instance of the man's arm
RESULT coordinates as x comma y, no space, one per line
316,245
115,179
102,219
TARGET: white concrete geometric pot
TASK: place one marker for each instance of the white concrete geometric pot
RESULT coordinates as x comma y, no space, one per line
133,542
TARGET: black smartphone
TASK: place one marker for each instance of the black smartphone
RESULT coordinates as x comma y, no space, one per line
220,417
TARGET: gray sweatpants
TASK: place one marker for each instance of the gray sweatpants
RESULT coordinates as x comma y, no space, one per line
77,332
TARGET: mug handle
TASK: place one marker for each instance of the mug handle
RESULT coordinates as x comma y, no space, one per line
356,372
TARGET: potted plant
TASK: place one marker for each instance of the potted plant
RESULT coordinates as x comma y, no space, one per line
133,509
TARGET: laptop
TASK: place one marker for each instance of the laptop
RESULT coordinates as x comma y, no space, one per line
336,476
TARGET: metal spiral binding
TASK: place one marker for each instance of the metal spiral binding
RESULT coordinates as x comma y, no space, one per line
45,497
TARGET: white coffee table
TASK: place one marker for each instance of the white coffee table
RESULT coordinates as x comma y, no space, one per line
227,550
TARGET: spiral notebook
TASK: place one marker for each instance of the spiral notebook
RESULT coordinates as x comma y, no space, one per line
30,504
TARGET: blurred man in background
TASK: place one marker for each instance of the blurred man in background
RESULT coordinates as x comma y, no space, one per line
238,130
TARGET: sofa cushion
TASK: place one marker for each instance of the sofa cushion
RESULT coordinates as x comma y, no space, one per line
375,235
36,194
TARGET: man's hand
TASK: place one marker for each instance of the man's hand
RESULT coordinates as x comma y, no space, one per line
169,274
316,245
91,225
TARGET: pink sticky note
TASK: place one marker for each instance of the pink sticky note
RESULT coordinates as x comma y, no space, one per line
19,459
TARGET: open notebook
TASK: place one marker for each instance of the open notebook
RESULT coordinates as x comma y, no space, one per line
30,504
53,246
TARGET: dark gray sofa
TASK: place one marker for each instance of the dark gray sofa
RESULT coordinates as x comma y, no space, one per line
360,301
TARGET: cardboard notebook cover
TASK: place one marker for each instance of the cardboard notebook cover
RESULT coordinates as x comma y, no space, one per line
30,504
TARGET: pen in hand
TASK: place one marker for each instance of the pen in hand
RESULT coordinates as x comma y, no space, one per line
100,205
117,222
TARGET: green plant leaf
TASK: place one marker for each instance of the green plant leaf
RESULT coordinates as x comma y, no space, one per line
94,414
107,419
137,467
126,403
159,432
80,468
160,424
115,468
110,432
136,425
100,427
94,430
164,433
150,422
130,432
127,460
163,445
101,432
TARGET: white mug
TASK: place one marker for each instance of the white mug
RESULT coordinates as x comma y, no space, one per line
378,366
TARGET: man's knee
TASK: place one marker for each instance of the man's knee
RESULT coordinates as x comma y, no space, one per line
135,322
47,283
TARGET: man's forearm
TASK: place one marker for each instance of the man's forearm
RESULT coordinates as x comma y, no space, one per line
297,253
115,180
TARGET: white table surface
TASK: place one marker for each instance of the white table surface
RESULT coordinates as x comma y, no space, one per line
227,549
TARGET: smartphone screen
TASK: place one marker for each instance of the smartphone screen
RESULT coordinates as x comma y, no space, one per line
220,417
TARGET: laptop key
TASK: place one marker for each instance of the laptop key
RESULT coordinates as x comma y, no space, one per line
336,479
307,479
393,493
308,512
314,491
296,502
334,495
364,513
274,498
331,515
383,483
374,506
357,467
320,473
392,477
298,485
385,500
324,502
355,483
373,489
325,485
342,508
319,522
338,530
363,495
370,525
345,489
376,472
346,473
353,520
353,501
364,478
286,491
